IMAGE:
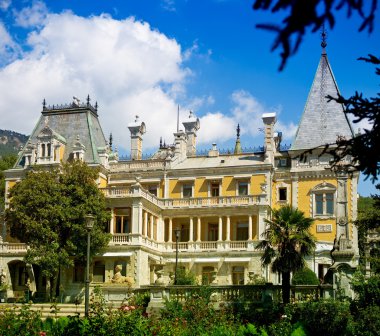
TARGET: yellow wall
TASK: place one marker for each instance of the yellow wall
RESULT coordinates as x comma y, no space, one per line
256,181
201,187
102,182
228,186
62,152
175,189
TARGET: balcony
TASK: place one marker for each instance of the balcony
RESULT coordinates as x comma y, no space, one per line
192,202
13,248
129,239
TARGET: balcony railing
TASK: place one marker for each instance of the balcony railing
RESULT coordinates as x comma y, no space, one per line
192,202
13,247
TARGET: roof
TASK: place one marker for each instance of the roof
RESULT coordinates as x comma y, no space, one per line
70,122
322,121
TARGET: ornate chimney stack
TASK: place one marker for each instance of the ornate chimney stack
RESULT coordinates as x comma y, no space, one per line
269,120
137,130
191,125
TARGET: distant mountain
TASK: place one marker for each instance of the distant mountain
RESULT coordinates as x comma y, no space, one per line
11,142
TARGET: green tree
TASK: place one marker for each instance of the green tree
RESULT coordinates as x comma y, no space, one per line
47,211
287,241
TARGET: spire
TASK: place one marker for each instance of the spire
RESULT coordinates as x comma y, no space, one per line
110,141
324,39
322,120
237,149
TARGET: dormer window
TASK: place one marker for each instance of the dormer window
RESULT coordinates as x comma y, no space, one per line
49,146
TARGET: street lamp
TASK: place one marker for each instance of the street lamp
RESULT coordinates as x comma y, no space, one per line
89,225
177,232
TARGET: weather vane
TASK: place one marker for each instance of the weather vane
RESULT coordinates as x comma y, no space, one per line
323,36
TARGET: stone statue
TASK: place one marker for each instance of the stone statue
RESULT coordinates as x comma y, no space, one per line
120,279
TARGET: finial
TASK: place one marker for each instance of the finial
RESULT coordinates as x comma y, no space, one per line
238,131
96,106
88,100
191,114
324,38
44,104
110,142
160,142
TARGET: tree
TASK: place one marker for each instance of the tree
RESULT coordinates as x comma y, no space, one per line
47,212
287,241
303,15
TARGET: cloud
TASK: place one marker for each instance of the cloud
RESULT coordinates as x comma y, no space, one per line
168,5
5,4
9,49
216,127
127,66
32,16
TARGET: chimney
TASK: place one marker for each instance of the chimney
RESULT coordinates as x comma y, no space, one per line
137,130
269,120
180,145
191,125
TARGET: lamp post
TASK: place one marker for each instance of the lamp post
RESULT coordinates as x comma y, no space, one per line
177,232
89,225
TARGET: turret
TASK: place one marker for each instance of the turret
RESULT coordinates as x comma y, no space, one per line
137,130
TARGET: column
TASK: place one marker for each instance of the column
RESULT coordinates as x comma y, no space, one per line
228,228
250,227
139,231
220,228
166,187
136,219
294,191
191,231
112,221
170,230
261,224
199,229
151,226
145,224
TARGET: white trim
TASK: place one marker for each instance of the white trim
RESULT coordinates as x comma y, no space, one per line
180,260
237,260
184,179
117,254
207,260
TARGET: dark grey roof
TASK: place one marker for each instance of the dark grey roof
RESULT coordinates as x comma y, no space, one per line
322,121
70,122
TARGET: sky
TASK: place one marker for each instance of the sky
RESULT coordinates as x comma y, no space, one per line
148,57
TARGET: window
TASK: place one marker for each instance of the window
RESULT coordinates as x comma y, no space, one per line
214,189
99,272
324,204
282,194
78,272
187,190
323,198
153,189
242,188
238,275
212,232
122,224
242,231
208,274
282,162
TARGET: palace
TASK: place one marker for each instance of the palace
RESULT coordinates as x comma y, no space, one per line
212,207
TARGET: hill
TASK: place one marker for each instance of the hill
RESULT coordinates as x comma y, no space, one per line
10,142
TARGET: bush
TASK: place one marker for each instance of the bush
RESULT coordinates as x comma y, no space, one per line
324,317
305,276
185,278
367,322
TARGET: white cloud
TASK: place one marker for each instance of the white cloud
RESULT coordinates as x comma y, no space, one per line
128,67
5,4
216,127
168,5
32,16
9,49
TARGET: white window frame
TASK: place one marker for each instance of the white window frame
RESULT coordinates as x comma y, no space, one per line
323,189
192,190
238,184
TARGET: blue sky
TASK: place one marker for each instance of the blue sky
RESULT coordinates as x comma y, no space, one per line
145,57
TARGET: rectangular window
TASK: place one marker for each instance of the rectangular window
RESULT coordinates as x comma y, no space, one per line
208,274
330,204
283,162
78,272
99,272
187,190
242,231
242,188
214,189
319,204
212,232
282,194
238,275
122,224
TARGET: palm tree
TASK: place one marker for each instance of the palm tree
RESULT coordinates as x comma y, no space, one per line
287,241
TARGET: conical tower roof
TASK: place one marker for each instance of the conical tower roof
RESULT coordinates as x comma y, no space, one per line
322,121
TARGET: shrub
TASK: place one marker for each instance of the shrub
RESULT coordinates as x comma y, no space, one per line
367,322
185,277
305,276
324,317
